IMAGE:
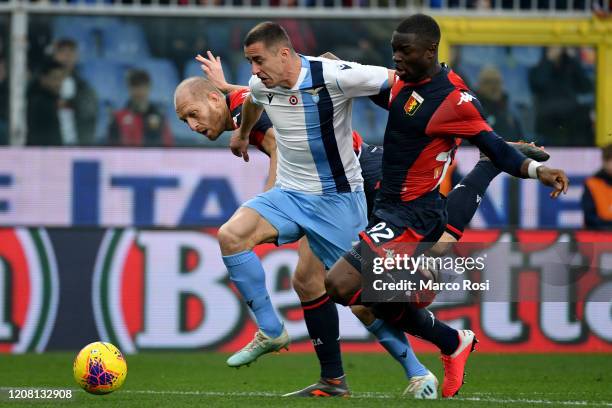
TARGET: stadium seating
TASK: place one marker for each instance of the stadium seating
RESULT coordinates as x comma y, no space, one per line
526,56
107,78
164,77
482,54
192,68
125,41
243,73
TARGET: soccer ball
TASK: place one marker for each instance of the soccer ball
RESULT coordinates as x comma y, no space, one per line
100,368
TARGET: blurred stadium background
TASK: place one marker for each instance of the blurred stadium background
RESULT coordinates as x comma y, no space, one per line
109,205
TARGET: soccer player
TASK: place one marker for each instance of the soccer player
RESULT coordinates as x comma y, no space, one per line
318,192
429,107
207,115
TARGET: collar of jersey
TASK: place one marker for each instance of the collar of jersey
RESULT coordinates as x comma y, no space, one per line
304,78
443,67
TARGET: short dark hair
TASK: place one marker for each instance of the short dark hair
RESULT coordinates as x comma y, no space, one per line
606,152
138,77
65,43
424,26
269,33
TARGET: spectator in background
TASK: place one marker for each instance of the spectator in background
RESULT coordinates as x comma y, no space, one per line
556,82
597,196
4,98
79,103
496,105
43,100
141,122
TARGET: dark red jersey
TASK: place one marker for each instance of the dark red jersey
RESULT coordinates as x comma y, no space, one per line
425,120
234,101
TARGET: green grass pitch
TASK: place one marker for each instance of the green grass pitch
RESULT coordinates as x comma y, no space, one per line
202,379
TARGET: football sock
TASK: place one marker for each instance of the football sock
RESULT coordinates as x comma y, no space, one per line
395,342
247,273
464,199
420,323
321,317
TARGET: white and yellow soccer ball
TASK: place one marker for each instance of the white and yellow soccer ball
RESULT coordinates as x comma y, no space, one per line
100,368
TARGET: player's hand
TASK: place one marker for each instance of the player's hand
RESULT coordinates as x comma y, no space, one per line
328,55
554,178
239,145
213,69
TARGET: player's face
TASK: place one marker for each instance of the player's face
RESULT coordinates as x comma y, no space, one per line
206,117
268,64
413,57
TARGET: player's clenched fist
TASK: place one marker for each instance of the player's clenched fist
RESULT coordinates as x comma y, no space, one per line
239,146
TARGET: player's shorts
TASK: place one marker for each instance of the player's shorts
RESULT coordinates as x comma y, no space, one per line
402,228
370,160
331,222
397,229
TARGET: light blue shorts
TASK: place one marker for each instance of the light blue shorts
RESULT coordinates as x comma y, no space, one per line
331,222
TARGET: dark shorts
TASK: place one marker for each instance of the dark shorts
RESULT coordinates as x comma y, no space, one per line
399,228
370,160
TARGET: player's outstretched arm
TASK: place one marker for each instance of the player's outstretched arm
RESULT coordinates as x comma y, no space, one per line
213,69
513,162
382,99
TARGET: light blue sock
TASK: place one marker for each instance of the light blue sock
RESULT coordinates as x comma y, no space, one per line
395,342
247,273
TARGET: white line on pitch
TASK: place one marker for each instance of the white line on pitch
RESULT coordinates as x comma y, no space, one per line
488,399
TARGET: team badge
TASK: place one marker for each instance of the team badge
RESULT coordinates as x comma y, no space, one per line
413,103
293,100
315,93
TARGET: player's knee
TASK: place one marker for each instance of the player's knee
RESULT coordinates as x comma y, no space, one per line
230,239
335,289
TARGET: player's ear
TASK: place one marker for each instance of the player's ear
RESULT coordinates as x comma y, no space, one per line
285,53
214,97
432,50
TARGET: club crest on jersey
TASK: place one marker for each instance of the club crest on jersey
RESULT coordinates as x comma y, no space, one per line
413,103
315,93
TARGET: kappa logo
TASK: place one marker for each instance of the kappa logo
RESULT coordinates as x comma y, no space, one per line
465,97
315,93
235,118
413,103
478,198
270,96
389,253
